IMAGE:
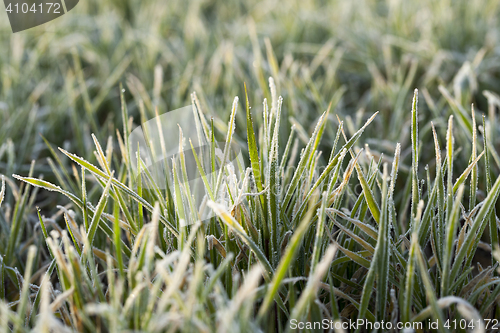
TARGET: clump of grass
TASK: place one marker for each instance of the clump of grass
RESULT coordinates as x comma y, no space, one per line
307,247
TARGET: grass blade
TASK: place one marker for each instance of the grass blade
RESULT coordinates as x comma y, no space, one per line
99,209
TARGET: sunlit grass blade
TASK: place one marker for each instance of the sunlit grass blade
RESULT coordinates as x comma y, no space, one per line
414,153
449,151
273,181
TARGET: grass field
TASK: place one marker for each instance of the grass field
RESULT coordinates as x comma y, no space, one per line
369,191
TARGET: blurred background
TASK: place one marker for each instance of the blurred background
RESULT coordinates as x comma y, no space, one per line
61,80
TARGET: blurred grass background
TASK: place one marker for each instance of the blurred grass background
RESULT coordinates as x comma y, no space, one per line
61,79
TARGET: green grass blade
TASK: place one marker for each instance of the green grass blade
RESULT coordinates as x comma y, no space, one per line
202,173
366,228
2,279
450,236
273,181
285,262
24,296
312,286
234,225
437,314
414,153
304,158
2,191
320,226
370,199
252,147
99,209
458,111
492,219
227,147
382,258
330,165
409,289
478,224
94,170
268,271
474,176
